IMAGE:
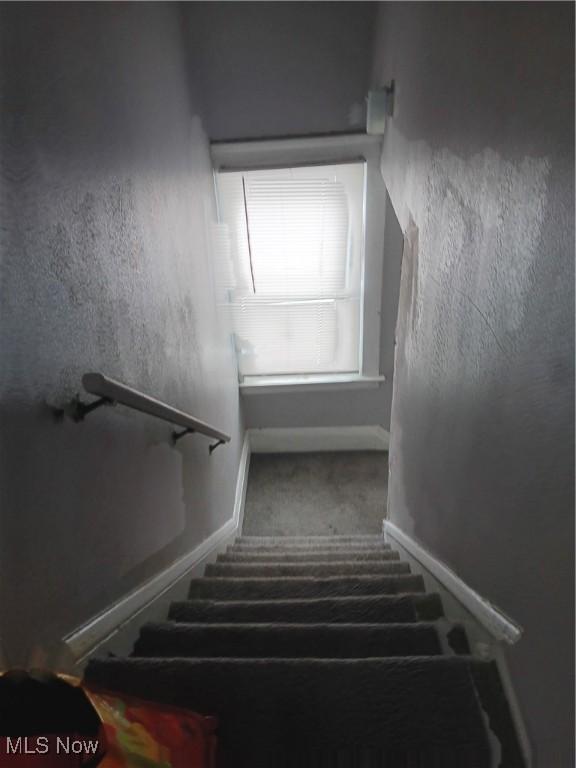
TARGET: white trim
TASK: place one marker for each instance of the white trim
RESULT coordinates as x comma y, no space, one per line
242,483
311,439
493,620
84,639
261,385
239,155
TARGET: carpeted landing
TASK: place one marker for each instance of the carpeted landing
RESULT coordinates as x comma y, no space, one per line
322,652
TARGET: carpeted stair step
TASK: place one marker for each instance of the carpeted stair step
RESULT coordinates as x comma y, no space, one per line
289,540
339,553
314,569
313,556
308,547
290,713
314,641
381,609
218,588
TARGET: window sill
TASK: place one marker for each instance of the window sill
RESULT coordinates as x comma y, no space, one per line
263,385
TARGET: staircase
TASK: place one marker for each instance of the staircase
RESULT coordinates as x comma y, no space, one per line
322,652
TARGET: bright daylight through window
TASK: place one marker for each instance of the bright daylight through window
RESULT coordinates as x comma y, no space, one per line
296,242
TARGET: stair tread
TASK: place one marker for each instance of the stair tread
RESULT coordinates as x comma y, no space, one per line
363,609
281,640
285,626
424,706
309,545
292,586
339,538
351,555
312,568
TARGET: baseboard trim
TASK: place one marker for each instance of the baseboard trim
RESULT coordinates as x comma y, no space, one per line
242,483
500,626
83,640
310,439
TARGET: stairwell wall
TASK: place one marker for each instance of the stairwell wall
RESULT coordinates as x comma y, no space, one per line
479,164
106,246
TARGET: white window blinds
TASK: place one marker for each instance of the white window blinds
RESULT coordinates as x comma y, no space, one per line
296,245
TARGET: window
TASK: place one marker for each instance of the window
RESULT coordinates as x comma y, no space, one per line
296,240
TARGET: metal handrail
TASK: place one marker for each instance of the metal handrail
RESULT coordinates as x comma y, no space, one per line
111,392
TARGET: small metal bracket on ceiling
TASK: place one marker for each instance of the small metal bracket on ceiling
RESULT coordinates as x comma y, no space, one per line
380,106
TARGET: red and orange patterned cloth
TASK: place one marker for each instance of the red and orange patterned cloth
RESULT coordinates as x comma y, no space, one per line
146,735
53,721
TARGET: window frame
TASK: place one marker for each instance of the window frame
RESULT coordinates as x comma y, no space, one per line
325,150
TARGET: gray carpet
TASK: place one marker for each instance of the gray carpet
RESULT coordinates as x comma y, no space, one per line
321,653
316,493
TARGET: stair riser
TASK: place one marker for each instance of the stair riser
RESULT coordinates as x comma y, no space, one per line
243,570
286,588
324,557
288,641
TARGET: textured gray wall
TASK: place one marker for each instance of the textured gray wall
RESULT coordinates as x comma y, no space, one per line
105,257
276,69
479,164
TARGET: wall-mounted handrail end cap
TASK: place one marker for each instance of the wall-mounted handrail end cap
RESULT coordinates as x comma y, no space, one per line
93,381
212,448
177,435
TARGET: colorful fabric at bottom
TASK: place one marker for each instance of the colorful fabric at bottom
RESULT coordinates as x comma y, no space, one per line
142,734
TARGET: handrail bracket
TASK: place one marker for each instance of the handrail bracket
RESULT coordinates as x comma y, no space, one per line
79,410
177,435
211,448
